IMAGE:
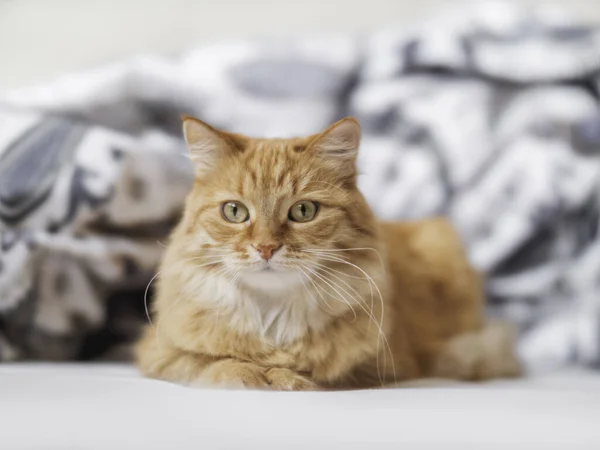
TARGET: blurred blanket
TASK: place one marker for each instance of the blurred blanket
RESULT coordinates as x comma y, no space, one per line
490,118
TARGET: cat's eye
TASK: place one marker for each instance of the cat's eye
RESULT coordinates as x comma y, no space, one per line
235,212
303,211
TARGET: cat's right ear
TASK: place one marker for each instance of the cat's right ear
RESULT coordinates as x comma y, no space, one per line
206,144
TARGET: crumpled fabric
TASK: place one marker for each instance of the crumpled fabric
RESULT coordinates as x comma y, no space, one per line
490,118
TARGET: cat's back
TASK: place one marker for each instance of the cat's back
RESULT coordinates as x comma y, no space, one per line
432,284
433,242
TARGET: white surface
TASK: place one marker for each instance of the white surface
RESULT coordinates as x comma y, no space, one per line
41,39
110,407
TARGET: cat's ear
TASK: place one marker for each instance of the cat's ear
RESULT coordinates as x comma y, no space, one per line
339,143
207,144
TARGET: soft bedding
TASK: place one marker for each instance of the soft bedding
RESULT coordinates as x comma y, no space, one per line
91,406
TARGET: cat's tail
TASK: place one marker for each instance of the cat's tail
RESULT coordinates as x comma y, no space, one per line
480,355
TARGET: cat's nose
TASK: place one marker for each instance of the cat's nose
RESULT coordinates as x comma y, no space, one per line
266,250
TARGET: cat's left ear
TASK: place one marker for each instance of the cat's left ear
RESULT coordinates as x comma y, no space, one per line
339,143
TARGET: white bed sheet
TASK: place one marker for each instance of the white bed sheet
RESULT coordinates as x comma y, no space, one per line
54,406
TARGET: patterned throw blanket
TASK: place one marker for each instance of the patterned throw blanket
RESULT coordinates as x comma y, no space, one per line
491,119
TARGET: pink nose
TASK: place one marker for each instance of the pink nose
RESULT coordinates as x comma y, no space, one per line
266,250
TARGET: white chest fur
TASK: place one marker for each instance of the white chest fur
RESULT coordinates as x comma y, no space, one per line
277,307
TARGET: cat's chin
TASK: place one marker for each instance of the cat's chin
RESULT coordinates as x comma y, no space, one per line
269,279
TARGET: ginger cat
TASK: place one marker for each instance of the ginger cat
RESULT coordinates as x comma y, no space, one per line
279,277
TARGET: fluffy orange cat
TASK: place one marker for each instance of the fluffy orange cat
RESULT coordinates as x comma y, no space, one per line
280,277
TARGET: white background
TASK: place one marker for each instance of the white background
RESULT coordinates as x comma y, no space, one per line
40,39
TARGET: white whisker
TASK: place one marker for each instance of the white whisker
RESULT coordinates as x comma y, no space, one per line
339,271
342,298
332,258
316,288
329,269
301,274
372,319
337,250
146,297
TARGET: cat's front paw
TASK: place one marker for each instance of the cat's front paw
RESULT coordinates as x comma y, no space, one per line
229,374
288,380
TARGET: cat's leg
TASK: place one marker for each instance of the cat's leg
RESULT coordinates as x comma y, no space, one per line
160,360
481,355
165,362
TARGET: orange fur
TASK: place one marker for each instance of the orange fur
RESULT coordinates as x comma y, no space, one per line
347,301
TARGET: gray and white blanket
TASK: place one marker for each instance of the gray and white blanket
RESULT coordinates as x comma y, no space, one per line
491,118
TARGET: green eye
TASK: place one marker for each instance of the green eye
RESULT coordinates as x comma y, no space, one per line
234,212
303,211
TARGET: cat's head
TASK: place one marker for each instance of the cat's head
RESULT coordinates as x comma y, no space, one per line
267,212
